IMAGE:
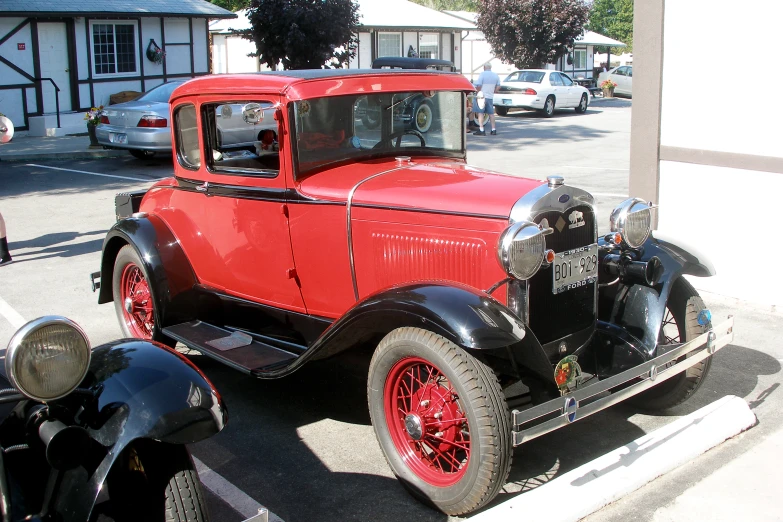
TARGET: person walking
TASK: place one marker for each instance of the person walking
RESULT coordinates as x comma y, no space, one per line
5,255
488,82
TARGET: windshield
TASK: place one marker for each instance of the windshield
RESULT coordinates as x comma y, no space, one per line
357,127
160,94
526,76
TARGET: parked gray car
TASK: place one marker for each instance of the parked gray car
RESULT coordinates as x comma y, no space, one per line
141,126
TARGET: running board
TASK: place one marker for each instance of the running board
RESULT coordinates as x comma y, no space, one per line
234,348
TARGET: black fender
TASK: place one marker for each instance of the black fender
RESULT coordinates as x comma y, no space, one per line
172,279
639,309
464,315
141,390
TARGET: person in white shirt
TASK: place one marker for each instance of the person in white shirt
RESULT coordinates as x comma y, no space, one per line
487,83
5,255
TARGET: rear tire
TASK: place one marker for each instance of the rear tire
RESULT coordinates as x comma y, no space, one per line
680,324
441,420
549,106
142,154
156,482
502,111
423,117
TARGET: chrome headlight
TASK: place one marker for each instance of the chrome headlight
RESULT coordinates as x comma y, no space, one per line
47,358
521,249
632,219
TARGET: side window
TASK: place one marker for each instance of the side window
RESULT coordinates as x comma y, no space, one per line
241,137
630,71
186,133
514,77
621,71
567,81
554,79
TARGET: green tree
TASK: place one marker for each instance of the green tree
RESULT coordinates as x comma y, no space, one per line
304,34
450,5
232,5
613,18
531,33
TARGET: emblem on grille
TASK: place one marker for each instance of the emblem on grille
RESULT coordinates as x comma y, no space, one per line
576,219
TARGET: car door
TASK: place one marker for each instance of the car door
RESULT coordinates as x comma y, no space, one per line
620,77
570,86
229,211
558,89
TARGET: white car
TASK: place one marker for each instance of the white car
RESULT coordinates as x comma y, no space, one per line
540,90
622,76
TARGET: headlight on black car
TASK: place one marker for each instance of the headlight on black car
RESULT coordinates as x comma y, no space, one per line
632,219
521,250
47,358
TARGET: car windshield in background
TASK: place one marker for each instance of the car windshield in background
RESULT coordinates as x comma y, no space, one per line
526,76
161,93
352,128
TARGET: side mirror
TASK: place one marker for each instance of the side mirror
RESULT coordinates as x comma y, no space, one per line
253,113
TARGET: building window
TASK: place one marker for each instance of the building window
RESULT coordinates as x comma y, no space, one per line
428,45
389,44
114,48
580,59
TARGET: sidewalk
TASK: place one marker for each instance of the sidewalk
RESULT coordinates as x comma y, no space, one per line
27,148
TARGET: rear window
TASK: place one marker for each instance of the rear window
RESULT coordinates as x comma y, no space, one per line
161,93
526,76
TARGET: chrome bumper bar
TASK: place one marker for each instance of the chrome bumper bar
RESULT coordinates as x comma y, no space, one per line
569,408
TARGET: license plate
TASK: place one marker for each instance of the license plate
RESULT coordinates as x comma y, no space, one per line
118,138
506,101
574,268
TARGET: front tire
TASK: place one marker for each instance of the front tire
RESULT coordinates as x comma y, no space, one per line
134,300
156,482
582,107
441,420
680,324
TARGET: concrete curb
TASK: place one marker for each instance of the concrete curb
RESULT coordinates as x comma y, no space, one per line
591,486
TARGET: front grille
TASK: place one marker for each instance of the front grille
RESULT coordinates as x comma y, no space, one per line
551,316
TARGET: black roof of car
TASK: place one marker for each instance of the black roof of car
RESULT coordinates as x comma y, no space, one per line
402,62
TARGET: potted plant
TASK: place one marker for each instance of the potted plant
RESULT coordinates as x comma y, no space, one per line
93,118
607,86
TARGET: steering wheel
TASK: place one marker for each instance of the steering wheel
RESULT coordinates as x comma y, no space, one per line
398,135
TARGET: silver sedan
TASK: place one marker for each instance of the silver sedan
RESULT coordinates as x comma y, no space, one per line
141,126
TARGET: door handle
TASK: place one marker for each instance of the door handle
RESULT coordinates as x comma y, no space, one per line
204,187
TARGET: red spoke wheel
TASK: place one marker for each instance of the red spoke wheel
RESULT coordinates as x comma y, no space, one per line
441,420
134,299
680,324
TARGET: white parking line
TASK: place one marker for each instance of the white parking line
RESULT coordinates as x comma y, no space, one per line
11,315
213,481
229,493
91,173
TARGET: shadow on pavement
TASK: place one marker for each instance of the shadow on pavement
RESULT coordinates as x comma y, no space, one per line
264,450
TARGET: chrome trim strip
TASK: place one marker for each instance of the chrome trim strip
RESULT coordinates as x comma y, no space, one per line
650,373
348,224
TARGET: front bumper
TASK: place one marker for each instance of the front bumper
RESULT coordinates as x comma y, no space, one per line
583,402
140,138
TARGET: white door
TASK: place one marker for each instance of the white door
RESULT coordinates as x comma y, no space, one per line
53,54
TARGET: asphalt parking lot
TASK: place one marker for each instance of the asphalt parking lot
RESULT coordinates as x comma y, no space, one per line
304,446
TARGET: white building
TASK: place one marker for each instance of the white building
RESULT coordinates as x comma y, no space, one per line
91,50
476,51
387,28
712,160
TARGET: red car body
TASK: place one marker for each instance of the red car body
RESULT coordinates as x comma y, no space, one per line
354,229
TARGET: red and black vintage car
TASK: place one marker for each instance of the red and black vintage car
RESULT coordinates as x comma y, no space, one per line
338,235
